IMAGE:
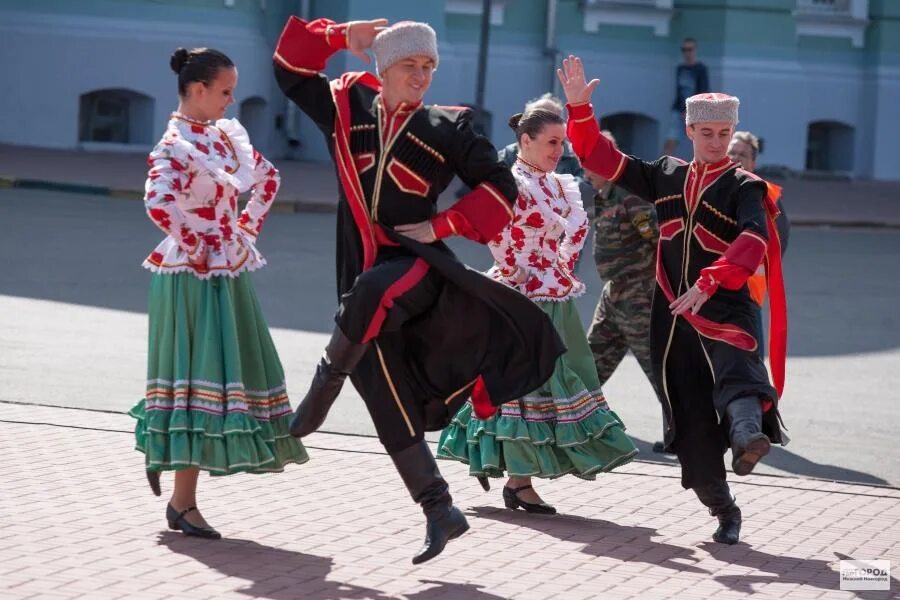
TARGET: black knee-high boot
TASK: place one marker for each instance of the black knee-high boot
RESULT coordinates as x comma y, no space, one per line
717,497
748,443
340,358
444,521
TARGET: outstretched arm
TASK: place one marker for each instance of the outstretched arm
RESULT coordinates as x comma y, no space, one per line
302,53
594,150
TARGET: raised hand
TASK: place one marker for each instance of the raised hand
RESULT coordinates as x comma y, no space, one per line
571,76
362,34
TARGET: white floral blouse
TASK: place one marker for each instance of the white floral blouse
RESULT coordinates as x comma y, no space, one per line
544,238
197,171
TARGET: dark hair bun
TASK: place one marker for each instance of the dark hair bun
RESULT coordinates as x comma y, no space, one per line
514,121
179,57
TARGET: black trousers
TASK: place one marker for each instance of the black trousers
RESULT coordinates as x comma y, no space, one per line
702,377
399,288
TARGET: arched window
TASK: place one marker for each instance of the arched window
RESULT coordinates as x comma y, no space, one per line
252,116
635,133
116,116
829,147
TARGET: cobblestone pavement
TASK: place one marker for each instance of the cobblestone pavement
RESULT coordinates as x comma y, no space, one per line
78,521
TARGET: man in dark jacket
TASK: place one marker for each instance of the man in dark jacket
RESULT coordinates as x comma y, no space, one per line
416,330
716,225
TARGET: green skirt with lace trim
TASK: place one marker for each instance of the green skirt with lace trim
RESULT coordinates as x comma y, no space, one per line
565,427
216,396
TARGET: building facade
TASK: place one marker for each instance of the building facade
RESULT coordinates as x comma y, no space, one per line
819,80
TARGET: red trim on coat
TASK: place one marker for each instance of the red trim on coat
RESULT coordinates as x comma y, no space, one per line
406,179
740,261
709,241
481,400
347,173
671,228
405,283
479,215
593,149
304,47
723,332
777,296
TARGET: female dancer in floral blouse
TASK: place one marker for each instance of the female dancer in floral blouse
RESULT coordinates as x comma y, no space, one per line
215,397
566,425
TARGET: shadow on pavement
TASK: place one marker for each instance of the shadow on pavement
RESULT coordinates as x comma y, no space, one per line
268,569
602,538
779,458
782,570
450,591
786,460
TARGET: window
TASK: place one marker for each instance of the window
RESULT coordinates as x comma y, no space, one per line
829,147
635,133
115,116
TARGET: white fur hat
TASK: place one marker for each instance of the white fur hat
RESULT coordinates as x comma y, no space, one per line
712,107
402,40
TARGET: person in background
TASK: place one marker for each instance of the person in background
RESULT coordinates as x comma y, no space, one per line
625,236
744,150
691,77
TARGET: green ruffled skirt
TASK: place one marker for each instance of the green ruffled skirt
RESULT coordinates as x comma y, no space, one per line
216,396
565,427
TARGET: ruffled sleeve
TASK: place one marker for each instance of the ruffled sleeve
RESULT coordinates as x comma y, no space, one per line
255,173
169,177
575,223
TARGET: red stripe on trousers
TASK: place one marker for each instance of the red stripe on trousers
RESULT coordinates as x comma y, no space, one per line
396,289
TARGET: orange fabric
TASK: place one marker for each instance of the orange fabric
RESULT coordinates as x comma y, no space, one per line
757,285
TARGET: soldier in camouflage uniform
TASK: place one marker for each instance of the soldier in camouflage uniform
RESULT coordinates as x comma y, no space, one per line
625,235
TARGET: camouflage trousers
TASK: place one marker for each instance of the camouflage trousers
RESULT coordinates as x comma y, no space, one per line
621,322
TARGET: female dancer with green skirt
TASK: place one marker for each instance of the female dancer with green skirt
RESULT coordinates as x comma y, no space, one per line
565,426
215,398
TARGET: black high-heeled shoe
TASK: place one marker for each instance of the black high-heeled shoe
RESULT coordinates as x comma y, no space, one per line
153,480
512,501
485,483
178,522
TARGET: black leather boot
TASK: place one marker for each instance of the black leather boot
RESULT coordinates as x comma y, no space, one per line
444,521
340,358
748,443
717,497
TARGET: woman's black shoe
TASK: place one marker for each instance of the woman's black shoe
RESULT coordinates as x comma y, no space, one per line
153,480
511,499
178,522
485,483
